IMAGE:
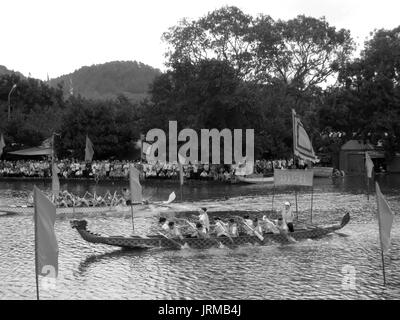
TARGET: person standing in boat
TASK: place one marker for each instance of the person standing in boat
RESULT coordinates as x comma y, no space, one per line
203,219
127,196
288,216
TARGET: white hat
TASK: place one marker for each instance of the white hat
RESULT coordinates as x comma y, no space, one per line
287,203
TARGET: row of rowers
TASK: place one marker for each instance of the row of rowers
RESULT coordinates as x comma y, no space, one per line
233,227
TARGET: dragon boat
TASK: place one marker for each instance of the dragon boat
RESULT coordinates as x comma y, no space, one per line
154,241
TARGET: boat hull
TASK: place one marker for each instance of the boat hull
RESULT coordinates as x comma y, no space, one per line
323,172
25,210
256,180
196,243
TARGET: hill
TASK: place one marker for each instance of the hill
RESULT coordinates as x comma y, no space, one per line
4,70
108,80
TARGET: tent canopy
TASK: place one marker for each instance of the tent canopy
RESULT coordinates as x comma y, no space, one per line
36,151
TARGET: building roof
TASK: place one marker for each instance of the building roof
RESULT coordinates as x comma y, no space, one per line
357,145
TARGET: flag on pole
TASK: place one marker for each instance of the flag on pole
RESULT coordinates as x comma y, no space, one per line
181,162
55,183
302,146
89,150
2,144
385,216
135,186
45,237
369,165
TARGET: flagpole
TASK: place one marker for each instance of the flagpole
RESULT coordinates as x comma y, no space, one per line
297,211
273,197
36,241
133,225
380,240
312,198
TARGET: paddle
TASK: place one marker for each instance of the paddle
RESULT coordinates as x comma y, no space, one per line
259,236
172,241
191,224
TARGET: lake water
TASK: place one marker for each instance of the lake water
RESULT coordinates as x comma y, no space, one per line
344,265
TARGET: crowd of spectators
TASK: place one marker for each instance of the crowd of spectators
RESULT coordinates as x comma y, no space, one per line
115,169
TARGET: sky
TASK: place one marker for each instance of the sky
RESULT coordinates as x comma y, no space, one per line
56,37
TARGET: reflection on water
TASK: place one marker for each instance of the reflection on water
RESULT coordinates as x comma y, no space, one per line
311,269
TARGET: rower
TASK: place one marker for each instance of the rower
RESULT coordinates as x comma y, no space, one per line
287,216
257,226
248,224
163,224
269,226
127,196
281,225
201,231
203,218
220,228
173,231
233,228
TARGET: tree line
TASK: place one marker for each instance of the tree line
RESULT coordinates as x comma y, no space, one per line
231,70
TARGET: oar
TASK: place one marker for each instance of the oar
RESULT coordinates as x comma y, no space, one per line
191,224
172,241
259,236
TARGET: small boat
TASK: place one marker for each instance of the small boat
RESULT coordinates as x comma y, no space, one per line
256,179
29,210
154,241
323,172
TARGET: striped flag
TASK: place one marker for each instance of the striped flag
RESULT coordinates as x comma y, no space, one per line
302,146
385,218
135,186
89,151
369,165
45,238
2,144
55,182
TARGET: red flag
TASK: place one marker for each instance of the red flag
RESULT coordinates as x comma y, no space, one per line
135,186
385,216
2,144
45,237
369,165
89,150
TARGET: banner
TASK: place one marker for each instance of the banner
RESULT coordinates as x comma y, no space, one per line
302,146
2,144
89,151
369,165
55,182
385,216
135,186
45,237
293,177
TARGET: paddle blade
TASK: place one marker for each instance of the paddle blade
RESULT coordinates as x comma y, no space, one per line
171,198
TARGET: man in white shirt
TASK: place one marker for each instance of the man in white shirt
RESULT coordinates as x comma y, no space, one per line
203,219
287,216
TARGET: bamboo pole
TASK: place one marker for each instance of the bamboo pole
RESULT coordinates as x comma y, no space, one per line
36,251
380,240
